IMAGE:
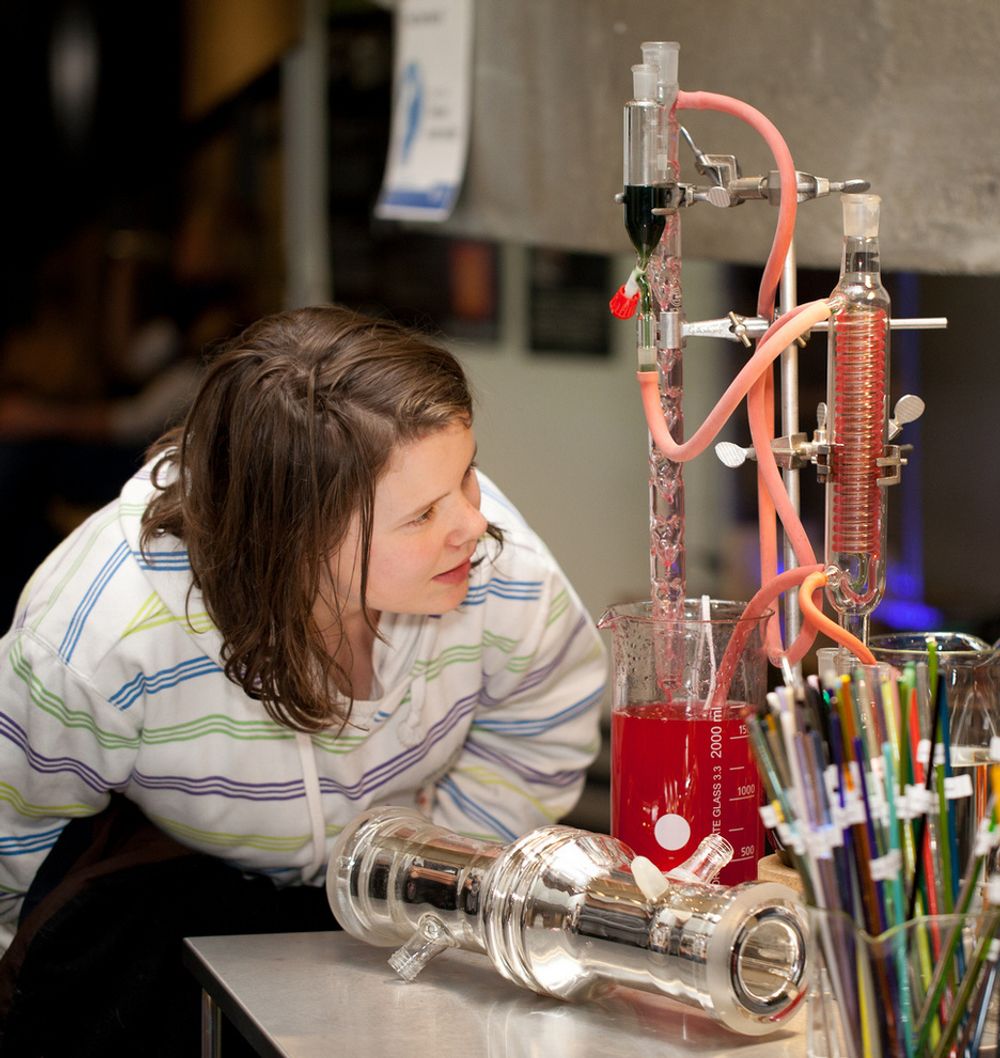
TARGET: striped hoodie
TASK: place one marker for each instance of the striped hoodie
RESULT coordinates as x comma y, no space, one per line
484,717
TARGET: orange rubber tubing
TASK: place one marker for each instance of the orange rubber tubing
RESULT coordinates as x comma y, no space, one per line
819,620
788,203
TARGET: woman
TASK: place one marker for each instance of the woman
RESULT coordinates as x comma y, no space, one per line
308,602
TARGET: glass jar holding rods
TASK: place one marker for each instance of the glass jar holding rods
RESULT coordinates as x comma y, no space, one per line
919,990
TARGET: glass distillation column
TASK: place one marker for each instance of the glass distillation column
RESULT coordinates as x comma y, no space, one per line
857,422
651,168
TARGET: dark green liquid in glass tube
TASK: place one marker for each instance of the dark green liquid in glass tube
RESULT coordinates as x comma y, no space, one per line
643,226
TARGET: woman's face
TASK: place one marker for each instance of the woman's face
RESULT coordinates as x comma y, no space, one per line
426,526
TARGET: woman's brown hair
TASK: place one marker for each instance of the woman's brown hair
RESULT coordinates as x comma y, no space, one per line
292,427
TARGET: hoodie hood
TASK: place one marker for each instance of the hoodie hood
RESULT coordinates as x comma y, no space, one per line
167,569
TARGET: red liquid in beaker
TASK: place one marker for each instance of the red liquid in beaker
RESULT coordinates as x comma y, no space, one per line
675,779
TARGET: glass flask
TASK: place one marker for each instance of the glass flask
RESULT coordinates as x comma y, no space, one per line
858,420
681,762
559,912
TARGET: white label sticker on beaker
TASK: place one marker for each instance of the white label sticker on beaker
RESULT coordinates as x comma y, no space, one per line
672,832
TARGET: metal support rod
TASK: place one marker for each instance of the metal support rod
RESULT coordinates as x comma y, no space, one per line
788,295
754,326
304,163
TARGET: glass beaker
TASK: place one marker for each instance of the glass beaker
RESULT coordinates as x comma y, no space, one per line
681,762
894,995
970,668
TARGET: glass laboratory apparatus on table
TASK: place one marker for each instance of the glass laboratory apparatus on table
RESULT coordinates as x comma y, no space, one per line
702,754
851,449
574,915
861,773
682,767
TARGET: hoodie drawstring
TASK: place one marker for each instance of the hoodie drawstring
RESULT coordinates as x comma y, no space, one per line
310,780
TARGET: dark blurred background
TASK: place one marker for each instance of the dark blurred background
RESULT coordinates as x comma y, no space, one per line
144,224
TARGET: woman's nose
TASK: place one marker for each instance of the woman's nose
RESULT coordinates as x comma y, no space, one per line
471,526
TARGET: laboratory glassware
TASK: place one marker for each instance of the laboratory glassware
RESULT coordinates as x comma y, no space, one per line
681,761
970,668
650,173
870,993
559,911
858,421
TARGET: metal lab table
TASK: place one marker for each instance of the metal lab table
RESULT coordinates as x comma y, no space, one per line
322,995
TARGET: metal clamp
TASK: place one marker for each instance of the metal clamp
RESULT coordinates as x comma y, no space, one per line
821,442
807,187
738,328
894,460
790,453
679,196
729,188
671,329
794,451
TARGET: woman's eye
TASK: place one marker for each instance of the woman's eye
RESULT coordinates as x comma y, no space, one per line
425,517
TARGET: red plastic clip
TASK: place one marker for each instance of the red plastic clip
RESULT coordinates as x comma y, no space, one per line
625,300
622,304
